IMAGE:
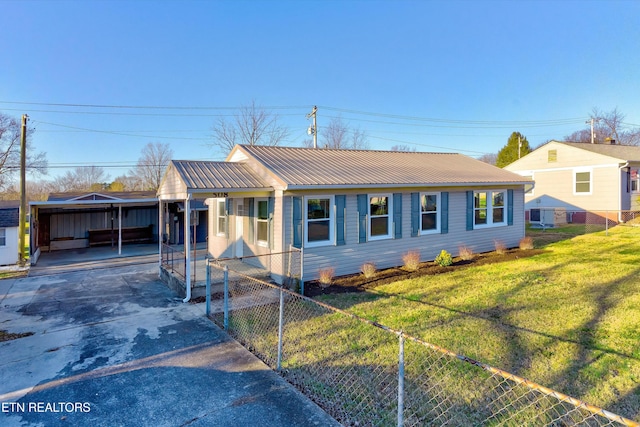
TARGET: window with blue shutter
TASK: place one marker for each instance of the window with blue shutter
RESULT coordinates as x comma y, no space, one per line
297,221
397,215
340,212
363,208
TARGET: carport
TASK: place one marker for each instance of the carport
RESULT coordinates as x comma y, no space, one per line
82,221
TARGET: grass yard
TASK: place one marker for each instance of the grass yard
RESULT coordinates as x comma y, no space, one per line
567,318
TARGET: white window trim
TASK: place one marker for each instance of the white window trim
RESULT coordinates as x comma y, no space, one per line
438,213
490,222
332,227
389,197
264,243
576,171
221,233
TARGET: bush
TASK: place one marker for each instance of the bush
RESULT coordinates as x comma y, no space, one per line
466,253
368,269
501,248
411,260
326,276
443,259
526,243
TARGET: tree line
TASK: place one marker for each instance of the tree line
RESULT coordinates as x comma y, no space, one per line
252,125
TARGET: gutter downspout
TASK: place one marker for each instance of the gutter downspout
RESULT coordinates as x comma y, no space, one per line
187,248
626,165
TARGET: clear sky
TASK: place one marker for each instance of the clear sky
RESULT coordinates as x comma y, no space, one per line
439,75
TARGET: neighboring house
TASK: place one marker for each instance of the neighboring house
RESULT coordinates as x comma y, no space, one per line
581,176
9,223
347,207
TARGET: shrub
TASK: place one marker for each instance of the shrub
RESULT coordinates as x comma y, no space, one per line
443,259
466,253
326,276
501,248
368,269
411,260
526,243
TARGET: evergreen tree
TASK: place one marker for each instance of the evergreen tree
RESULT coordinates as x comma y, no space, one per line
509,153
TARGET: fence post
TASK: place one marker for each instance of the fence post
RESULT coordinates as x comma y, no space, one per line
226,297
208,287
401,380
280,328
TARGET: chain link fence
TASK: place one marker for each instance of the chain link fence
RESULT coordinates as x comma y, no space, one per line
578,221
366,374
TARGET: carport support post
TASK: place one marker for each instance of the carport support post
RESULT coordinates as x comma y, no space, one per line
187,248
208,288
225,271
119,229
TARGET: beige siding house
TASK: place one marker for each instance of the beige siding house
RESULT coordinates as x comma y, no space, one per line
343,208
581,176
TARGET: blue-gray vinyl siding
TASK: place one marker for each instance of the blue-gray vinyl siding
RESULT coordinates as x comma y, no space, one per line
348,258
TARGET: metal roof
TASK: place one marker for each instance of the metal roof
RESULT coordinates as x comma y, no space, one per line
105,196
206,175
623,152
306,167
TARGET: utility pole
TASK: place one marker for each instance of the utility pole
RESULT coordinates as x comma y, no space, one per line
23,191
593,137
313,129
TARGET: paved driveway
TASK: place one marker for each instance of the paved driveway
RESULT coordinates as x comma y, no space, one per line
114,346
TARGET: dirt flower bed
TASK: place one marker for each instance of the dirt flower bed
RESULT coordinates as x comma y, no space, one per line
358,283
7,336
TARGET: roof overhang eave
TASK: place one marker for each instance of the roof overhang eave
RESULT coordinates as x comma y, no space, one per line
54,203
405,185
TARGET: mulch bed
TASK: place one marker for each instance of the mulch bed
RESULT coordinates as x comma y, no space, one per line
358,283
7,336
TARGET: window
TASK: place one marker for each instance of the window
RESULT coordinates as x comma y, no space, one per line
635,181
3,237
262,222
552,156
582,182
221,211
489,208
380,216
319,219
429,213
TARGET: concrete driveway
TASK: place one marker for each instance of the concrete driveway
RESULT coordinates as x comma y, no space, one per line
115,347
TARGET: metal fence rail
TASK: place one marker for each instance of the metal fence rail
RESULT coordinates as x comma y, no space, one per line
366,374
581,221
173,260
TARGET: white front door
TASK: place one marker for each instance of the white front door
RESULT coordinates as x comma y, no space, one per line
239,223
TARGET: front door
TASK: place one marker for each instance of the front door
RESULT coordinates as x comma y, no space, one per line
239,229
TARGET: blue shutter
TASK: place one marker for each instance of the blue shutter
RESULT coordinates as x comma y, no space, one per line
340,207
363,210
469,210
510,207
250,208
415,214
270,208
297,221
228,210
397,215
444,209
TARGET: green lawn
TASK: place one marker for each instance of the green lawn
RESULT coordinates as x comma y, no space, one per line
568,318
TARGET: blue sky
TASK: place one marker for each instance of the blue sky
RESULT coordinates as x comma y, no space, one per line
439,75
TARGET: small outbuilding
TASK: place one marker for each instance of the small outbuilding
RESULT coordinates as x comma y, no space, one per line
9,223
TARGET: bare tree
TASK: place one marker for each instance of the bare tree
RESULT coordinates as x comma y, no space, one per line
607,125
126,183
337,135
404,148
10,131
490,158
154,159
253,125
85,178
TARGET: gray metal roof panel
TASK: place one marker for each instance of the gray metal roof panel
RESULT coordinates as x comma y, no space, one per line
316,167
622,152
217,175
9,217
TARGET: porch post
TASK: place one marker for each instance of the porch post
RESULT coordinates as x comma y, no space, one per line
187,247
119,229
160,231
